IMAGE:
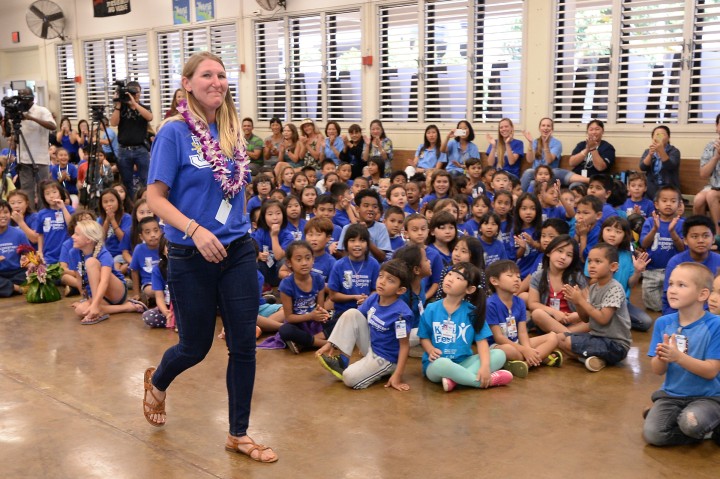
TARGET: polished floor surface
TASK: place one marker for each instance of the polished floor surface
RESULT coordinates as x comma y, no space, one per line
70,407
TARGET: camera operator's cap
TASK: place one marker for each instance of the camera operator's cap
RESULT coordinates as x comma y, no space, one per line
306,121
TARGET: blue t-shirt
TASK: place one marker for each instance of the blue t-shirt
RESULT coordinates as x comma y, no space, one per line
647,207
429,158
712,262
445,258
397,242
72,171
143,261
453,334
471,228
436,267
341,218
159,283
297,233
338,144
607,212
323,265
264,241
625,270
382,321
51,224
456,154
662,248
517,148
593,237
432,196
496,313
112,136
494,251
409,210
179,164
9,242
505,236
528,263
112,243
254,202
106,261
303,302
286,189
65,250
353,277
703,342
554,212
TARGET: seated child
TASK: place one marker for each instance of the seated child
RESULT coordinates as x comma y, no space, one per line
52,221
587,226
505,314
69,277
102,284
394,218
418,264
494,249
685,348
416,231
262,185
637,203
380,328
345,212
144,258
449,327
325,208
161,316
11,274
605,308
601,186
369,212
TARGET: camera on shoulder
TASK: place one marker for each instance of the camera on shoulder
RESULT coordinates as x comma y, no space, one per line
122,89
16,105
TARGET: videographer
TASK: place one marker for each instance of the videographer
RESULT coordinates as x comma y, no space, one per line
132,118
36,125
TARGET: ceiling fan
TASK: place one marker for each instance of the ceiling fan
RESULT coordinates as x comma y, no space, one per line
46,20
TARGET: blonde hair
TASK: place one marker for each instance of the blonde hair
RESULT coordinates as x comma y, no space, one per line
226,116
94,232
700,274
500,155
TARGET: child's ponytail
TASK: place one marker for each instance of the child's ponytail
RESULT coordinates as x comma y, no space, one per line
471,274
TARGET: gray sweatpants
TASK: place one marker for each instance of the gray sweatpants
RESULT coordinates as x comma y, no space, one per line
652,288
352,330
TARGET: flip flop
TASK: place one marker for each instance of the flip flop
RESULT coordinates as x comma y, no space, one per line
96,320
139,303
232,444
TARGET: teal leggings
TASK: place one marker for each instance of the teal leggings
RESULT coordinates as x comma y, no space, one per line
464,373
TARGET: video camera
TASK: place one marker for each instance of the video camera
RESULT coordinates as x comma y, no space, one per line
98,112
16,105
122,89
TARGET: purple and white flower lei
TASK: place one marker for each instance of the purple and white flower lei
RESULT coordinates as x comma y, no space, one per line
230,185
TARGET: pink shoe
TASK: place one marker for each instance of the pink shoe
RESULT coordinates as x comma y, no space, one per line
500,378
448,384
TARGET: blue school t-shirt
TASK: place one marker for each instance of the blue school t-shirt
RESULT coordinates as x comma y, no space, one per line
429,158
264,240
159,283
353,277
143,261
647,207
712,262
592,239
9,242
505,236
409,210
497,314
286,189
454,153
471,228
382,321
254,202
436,267
554,212
494,251
297,233
445,258
112,243
179,164
662,248
106,260
323,265
51,224
303,302
517,148
431,196
607,212
528,263
416,303
341,218
396,242
72,171
703,341
453,334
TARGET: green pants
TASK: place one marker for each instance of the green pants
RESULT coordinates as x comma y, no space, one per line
464,373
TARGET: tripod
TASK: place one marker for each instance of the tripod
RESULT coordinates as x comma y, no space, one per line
18,136
95,181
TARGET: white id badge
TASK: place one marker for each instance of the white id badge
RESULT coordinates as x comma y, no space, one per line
511,326
59,216
421,308
223,212
555,303
681,342
400,329
584,172
448,329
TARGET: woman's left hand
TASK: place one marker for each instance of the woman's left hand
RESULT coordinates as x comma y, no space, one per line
208,245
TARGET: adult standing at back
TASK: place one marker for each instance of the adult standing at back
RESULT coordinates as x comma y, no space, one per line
36,125
131,119
209,249
660,162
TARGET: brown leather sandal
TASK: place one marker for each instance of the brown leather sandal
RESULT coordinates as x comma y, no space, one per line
232,444
149,409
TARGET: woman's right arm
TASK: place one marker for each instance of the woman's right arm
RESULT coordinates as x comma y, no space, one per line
707,169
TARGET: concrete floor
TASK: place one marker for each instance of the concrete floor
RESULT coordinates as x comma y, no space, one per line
70,407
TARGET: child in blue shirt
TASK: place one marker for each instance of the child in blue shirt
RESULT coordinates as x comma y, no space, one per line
503,207
269,237
449,327
117,225
417,230
587,227
394,218
65,173
493,248
698,233
303,296
11,274
162,315
318,232
325,208
417,262
505,314
353,277
369,212
380,328
144,258
662,238
295,222
262,185
527,223
52,221
480,206
637,203
685,348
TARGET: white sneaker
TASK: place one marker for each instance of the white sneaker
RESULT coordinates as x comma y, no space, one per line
595,364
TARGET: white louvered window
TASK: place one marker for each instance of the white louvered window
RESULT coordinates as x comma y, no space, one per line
637,61
66,81
309,67
704,103
450,60
110,60
175,47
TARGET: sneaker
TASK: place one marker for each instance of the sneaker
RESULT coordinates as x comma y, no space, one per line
292,346
334,364
501,378
595,364
555,359
448,384
517,368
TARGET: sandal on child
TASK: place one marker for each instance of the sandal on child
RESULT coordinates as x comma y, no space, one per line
150,409
95,320
140,307
233,444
